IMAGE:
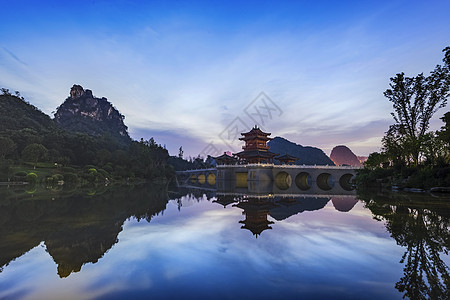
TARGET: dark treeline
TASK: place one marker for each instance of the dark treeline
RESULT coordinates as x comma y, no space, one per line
411,155
181,164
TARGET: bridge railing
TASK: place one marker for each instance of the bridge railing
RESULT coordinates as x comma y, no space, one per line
291,166
318,167
273,165
197,170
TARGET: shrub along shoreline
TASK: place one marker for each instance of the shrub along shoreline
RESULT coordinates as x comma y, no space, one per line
413,179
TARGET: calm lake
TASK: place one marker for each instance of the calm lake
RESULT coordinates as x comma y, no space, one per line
154,242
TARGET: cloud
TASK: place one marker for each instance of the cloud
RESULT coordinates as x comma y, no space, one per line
188,75
14,56
173,139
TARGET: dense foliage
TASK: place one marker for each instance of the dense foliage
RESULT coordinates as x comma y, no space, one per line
415,156
29,136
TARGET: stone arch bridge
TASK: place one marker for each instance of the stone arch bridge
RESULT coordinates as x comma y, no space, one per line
273,179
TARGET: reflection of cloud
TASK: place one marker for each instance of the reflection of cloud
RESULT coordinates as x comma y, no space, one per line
171,255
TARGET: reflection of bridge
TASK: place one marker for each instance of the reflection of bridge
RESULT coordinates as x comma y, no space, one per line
280,191
257,208
275,179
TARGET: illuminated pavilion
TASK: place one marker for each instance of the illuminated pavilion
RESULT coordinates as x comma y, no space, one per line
286,159
256,149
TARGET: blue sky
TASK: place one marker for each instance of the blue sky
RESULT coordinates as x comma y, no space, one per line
184,72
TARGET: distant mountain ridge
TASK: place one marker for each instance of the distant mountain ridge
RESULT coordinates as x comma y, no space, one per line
306,155
342,155
82,112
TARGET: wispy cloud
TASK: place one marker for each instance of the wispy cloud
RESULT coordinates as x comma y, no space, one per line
14,56
172,72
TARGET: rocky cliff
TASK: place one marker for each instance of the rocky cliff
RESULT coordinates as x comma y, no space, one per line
342,155
82,112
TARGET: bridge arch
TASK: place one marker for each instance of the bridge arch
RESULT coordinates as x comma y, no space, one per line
345,182
211,179
241,179
283,180
193,178
302,181
201,178
325,181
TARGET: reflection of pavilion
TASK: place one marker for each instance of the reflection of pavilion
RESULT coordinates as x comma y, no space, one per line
257,208
256,211
225,200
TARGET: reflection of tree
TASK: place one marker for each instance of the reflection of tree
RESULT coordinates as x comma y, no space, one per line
423,228
76,228
194,194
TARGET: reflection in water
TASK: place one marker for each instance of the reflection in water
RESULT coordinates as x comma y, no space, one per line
76,229
423,228
344,203
259,199
256,211
288,207
300,238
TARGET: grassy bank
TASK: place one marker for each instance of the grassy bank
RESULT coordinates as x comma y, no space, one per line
52,175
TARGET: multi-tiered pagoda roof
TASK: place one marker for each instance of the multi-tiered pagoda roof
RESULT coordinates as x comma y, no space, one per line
255,148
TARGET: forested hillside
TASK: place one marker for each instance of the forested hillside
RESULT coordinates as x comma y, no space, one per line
30,137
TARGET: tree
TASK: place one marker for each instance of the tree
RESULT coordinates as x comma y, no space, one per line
415,100
5,92
103,156
444,133
393,146
152,143
34,153
435,150
375,160
7,146
443,137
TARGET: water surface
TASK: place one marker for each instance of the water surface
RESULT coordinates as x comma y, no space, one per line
159,243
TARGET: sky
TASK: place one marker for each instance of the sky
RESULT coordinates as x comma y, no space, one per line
197,73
